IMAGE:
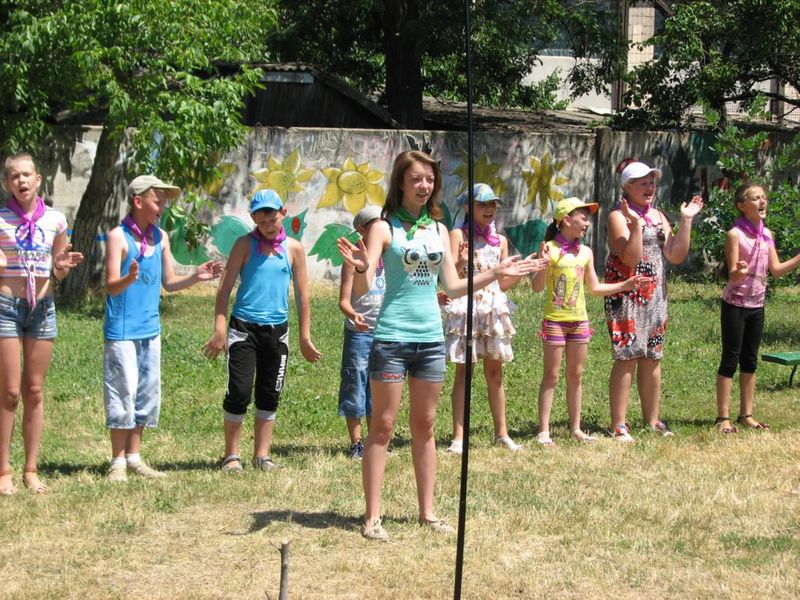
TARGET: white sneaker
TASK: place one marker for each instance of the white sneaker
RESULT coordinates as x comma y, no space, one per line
456,447
622,435
507,443
117,473
142,470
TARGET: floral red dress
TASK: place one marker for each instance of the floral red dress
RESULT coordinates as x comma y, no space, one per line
637,320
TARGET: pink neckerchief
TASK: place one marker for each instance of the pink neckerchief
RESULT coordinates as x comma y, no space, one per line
28,232
566,246
131,224
488,233
641,212
264,244
757,231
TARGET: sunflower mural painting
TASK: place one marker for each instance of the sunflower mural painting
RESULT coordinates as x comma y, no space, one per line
485,172
354,186
544,180
283,177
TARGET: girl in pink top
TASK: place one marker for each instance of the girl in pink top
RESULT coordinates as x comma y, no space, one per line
33,249
749,252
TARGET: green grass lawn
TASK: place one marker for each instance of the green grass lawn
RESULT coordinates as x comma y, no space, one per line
692,516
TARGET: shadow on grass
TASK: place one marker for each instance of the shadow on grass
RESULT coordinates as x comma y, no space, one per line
312,520
62,468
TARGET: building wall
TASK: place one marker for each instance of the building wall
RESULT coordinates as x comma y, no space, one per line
326,175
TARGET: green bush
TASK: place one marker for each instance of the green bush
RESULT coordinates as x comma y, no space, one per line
747,155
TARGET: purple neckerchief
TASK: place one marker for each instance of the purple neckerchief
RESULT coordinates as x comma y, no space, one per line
757,231
488,233
264,243
641,212
28,231
131,224
566,246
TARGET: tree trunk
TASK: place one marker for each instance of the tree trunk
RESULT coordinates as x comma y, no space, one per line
90,214
403,64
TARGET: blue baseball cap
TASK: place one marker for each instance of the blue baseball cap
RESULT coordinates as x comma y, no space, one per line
265,199
481,192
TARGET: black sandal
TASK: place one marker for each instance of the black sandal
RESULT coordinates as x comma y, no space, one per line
742,420
726,430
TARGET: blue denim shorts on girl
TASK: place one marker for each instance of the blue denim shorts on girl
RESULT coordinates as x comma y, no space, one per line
355,400
18,320
389,362
132,382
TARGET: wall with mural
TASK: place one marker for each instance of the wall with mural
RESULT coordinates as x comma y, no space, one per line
327,175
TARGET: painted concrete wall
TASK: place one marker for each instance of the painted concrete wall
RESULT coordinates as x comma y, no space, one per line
326,176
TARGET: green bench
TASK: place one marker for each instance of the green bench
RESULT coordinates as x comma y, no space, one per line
784,358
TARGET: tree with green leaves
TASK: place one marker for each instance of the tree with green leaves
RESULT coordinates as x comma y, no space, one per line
150,67
715,52
400,50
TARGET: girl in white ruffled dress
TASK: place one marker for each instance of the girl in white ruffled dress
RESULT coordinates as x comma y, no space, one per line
492,328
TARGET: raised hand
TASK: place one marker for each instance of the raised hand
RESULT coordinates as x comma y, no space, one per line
625,209
515,266
209,270
352,254
741,271
67,259
694,207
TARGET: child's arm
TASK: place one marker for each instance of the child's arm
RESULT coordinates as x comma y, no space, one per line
510,267
173,283
218,341
3,261
365,258
116,252
676,248
540,279
778,268
596,288
63,258
345,291
506,283
301,300
737,269
459,246
624,234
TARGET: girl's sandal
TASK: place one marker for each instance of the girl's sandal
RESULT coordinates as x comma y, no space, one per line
33,483
742,420
725,430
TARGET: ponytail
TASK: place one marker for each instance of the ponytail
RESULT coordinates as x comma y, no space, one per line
551,231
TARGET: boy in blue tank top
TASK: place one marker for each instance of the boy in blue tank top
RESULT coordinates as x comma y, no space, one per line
265,261
138,262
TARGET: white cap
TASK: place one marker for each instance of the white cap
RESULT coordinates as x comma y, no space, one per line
637,170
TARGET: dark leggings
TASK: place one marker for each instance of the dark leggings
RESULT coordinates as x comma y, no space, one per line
741,338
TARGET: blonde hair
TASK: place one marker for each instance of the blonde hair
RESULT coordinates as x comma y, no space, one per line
20,156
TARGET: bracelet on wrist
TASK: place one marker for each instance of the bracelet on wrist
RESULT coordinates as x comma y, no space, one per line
361,272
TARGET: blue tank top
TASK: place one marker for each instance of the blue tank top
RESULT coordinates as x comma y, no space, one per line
410,309
133,313
263,296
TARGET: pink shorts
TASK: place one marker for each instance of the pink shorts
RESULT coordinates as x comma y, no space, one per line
557,333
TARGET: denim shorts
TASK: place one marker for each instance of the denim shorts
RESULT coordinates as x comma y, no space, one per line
355,401
17,320
132,382
390,361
